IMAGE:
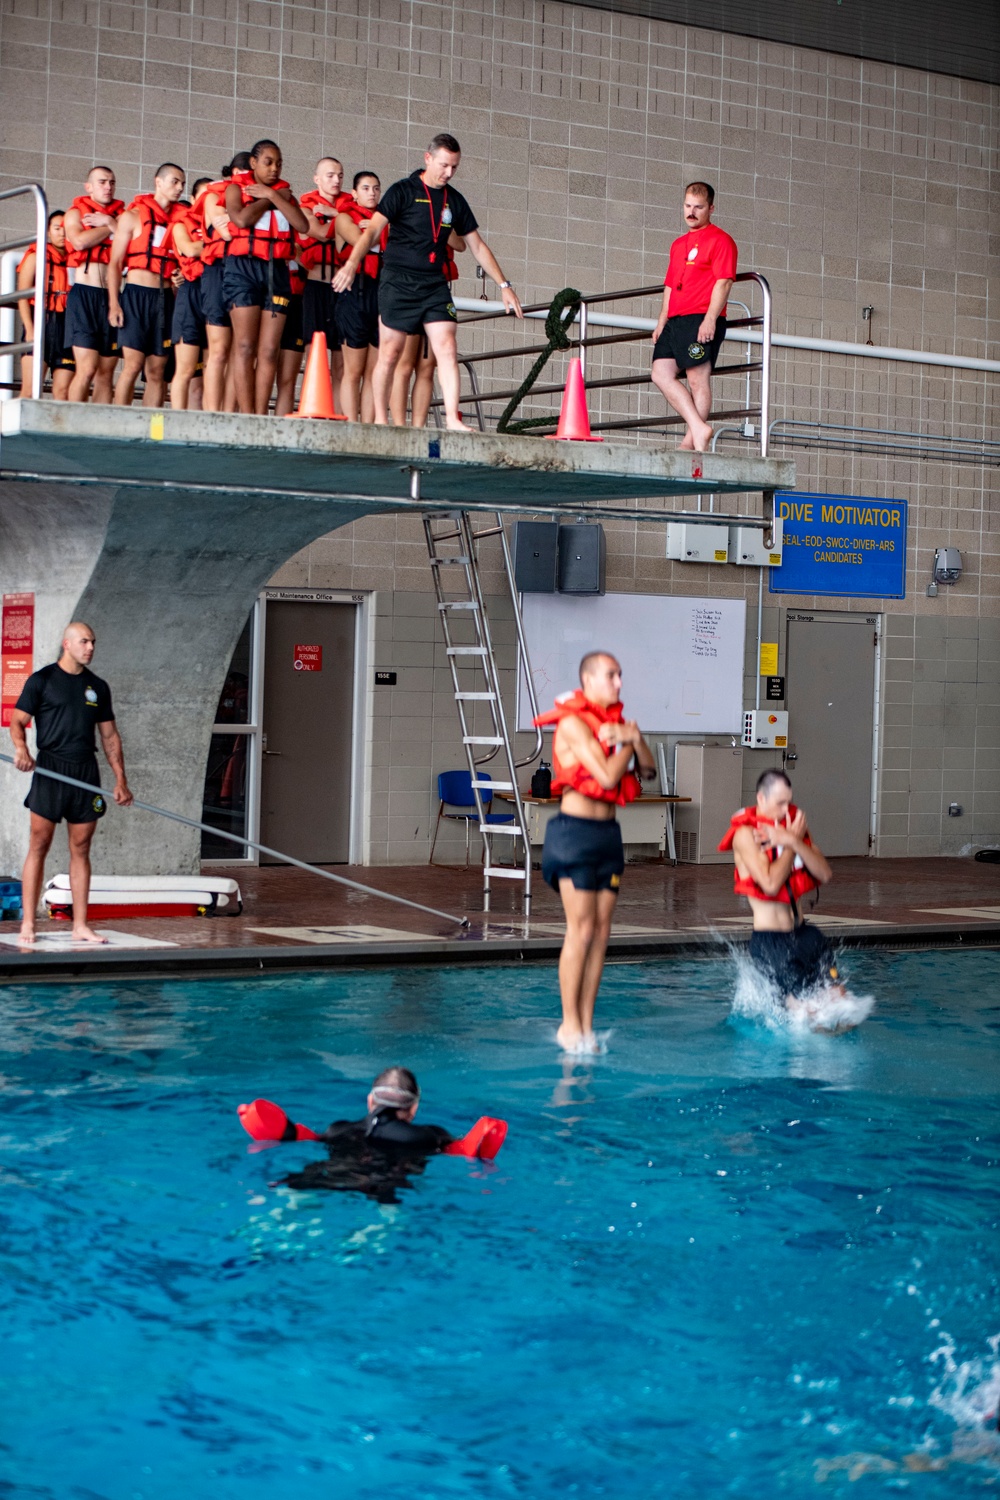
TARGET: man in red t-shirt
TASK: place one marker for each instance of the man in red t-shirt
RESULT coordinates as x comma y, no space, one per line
692,322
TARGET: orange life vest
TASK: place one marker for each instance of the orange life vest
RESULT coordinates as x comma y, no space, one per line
97,255
215,245
799,881
372,263
268,239
313,252
576,777
56,277
191,266
149,248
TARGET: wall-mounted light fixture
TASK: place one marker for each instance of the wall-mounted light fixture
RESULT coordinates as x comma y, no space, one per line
866,314
947,569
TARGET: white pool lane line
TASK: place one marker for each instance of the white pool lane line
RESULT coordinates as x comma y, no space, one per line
64,942
978,913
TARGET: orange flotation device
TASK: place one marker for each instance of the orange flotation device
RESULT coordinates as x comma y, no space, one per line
799,881
313,252
215,245
372,263
267,239
192,266
265,1121
56,277
99,254
576,777
150,249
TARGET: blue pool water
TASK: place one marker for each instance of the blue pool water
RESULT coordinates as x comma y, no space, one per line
724,1259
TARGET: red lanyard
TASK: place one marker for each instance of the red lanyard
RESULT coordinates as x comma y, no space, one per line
435,228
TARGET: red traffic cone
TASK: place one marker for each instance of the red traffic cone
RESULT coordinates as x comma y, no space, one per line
574,423
316,399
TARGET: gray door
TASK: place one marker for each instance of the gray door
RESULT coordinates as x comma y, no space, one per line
305,807
830,670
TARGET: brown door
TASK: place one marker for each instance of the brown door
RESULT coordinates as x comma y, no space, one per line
305,807
831,704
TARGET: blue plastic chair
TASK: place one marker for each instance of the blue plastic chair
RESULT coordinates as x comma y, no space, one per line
458,805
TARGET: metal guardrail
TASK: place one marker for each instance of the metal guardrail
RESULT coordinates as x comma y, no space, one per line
11,296
628,330
877,442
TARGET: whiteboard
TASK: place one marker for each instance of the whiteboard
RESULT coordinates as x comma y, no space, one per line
681,658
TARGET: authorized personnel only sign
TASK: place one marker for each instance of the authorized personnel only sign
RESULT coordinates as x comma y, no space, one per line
308,658
841,544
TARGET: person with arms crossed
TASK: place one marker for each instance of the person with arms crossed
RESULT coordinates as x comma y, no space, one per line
143,310
187,326
90,227
777,864
692,322
583,857
422,211
66,700
357,308
317,255
57,356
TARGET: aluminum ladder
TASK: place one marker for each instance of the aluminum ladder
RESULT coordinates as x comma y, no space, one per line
452,540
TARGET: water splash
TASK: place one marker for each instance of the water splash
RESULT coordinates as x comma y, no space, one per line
968,1390
825,1008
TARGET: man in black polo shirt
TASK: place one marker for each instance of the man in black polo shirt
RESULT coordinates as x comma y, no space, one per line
422,210
66,700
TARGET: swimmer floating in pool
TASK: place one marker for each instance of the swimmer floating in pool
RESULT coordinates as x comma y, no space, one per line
379,1154
583,858
776,865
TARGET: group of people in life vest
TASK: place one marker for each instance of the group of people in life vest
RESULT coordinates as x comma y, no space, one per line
599,761
217,295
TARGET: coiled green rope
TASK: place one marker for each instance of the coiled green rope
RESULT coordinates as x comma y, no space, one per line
560,315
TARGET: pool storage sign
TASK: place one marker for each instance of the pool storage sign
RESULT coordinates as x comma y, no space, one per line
841,544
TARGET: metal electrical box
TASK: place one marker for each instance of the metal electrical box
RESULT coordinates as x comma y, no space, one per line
765,729
747,550
712,776
690,541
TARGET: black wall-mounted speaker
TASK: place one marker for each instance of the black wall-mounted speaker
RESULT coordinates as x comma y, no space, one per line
582,559
536,556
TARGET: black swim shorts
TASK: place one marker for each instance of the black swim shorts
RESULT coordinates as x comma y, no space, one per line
188,325
796,961
55,800
213,296
587,851
58,354
679,342
408,300
148,312
248,281
319,313
87,325
291,334
357,314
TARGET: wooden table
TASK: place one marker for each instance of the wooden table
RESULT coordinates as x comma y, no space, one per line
648,820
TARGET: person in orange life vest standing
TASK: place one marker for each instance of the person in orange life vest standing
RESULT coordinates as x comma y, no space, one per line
187,328
421,211
776,865
216,232
357,308
256,284
583,858
319,258
692,322
417,362
57,356
143,309
90,226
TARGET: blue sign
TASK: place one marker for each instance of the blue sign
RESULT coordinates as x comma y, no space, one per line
841,544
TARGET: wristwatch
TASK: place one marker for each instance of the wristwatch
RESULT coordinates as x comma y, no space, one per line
506,286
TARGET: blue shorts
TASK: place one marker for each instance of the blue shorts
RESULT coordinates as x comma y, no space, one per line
212,296
147,312
87,325
587,851
248,281
188,325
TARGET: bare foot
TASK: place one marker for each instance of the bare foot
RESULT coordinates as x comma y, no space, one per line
457,425
702,438
85,934
569,1041
26,936
686,442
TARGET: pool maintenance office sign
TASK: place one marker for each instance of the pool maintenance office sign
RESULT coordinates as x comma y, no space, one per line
841,544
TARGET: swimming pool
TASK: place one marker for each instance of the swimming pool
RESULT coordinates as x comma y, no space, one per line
723,1258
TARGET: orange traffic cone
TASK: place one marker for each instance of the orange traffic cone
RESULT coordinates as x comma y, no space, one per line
316,399
574,423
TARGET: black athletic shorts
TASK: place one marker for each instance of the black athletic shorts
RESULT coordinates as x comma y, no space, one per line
291,334
213,303
58,354
55,800
188,325
87,325
248,281
148,313
587,851
408,300
357,314
319,313
679,342
796,961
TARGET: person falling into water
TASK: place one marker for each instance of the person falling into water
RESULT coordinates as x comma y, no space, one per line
583,858
777,864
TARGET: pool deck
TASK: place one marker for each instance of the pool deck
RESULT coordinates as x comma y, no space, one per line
294,921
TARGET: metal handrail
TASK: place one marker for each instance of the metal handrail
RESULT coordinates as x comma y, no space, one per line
881,442
630,334
36,346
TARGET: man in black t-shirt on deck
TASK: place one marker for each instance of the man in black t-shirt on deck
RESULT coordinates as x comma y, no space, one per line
66,700
422,210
